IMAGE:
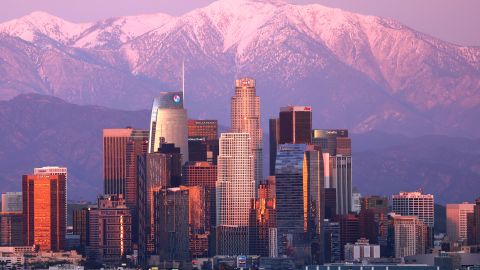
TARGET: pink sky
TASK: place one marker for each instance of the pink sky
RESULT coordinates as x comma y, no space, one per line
452,20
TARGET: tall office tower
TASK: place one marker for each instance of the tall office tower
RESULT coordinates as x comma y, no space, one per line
274,137
153,175
172,217
12,202
295,125
203,128
81,226
120,150
457,221
299,200
174,162
11,229
203,174
55,170
262,221
410,236
110,230
245,118
349,230
330,208
374,210
336,145
234,193
169,121
473,225
419,205
332,248
44,213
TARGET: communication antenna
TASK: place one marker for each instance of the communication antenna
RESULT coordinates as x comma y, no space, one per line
183,80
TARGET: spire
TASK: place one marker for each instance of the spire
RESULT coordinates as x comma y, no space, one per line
183,81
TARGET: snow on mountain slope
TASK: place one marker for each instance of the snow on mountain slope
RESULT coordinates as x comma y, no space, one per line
41,23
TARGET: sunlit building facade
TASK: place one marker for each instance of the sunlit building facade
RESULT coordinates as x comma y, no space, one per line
44,211
168,123
245,118
457,221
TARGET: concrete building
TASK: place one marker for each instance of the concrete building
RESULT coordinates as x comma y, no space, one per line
457,221
410,236
12,202
361,250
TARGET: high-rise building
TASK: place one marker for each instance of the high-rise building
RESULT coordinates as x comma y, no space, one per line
374,210
332,248
336,146
110,230
12,202
262,221
81,226
153,175
203,128
349,230
172,224
356,195
120,150
11,229
169,121
299,201
44,210
274,137
330,208
295,125
234,193
473,225
245,118
410,236
419,205
457,221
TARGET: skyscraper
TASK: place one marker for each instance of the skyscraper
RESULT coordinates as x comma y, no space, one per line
374,210
203,128
44,211
11,229
110,230
245,118
410,236
337,149
120,149
457,221
295,125
234,193
172,223
169,121
12,202
419,205
274,137
299,201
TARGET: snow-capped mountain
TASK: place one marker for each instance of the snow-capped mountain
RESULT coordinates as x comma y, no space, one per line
360,72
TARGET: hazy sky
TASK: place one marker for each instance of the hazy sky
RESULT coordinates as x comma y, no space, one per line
457,21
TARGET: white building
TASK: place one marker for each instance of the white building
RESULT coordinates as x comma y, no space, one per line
169,121
361,250
235,191
415,204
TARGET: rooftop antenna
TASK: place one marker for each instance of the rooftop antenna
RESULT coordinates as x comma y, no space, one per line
183,80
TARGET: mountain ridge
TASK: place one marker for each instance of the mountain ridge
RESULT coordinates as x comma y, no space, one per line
361,72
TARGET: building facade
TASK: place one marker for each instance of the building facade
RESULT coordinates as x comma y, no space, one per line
44,211
169,121
245,118
12,202
457,221
410,236
295,125
203,128
234,193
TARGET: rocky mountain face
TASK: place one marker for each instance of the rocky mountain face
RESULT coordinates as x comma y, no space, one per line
38,130
360,72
